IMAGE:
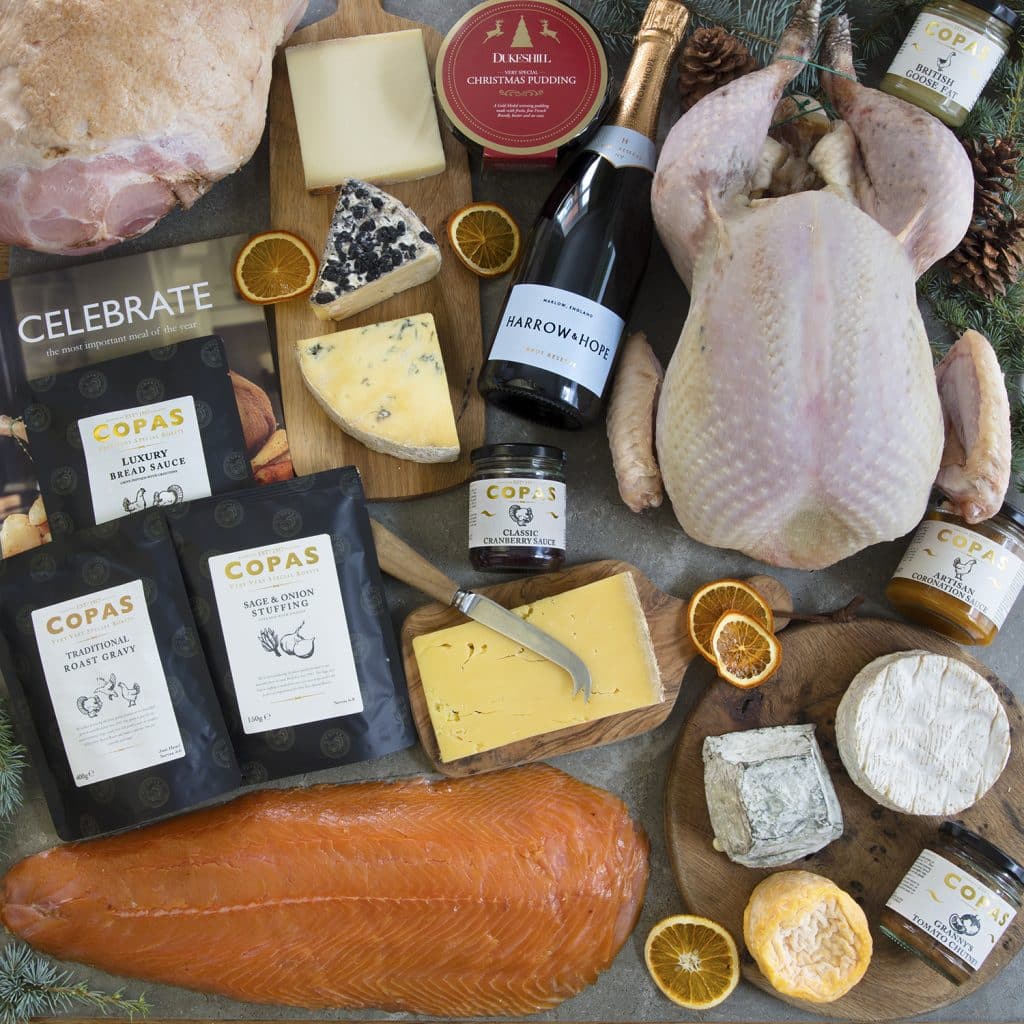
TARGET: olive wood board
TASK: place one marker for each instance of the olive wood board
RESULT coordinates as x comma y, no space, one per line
672,649
877,846
453,296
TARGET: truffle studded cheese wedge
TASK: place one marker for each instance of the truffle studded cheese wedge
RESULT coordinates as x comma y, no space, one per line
922,733
385,385
376,247
809,938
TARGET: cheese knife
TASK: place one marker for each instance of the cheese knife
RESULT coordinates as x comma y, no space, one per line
397,559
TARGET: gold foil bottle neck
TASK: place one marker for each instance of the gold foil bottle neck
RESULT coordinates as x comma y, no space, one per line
661,32
668,16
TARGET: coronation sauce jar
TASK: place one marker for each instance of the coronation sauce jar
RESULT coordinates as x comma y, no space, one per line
949,55
517,508
961,580
955,902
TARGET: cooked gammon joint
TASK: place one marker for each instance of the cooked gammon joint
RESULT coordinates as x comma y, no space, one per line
112,114
975,469
799,420
631,424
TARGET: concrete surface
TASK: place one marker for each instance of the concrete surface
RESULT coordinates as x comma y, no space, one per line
599,527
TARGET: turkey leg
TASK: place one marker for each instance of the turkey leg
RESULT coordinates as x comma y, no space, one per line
975,468
917,180
713,151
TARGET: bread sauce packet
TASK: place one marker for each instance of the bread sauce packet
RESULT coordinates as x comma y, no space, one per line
147,430
109,688
290,608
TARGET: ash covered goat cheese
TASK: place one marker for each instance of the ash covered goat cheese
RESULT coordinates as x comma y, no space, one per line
376,247
769,795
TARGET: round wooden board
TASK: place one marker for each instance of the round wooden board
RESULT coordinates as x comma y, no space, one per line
877,846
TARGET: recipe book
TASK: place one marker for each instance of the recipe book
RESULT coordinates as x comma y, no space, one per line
61,320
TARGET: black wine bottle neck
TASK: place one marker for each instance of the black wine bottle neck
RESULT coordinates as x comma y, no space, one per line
639,99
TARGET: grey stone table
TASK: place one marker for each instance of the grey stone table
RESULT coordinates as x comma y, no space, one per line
599,527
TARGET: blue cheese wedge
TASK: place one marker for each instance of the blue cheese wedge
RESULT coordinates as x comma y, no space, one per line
385,385
376,247
769,795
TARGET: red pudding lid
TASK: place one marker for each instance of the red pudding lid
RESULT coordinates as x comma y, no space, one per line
522,78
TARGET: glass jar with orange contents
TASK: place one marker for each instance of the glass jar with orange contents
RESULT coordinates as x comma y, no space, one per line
958,579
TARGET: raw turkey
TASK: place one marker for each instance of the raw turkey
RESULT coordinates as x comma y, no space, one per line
112,114
799,419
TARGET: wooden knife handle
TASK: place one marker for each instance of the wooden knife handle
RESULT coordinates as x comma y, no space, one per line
401,561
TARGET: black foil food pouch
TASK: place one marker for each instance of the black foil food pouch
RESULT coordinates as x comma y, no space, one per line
290,608
151,429
108,683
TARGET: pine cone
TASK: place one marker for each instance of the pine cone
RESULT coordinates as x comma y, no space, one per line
995,166
709,59
990,257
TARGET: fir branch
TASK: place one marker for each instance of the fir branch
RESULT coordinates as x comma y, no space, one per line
31,986
12,768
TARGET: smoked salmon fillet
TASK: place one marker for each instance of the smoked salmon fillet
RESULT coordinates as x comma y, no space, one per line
496,894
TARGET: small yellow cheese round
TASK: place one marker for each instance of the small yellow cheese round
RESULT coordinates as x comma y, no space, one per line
809,938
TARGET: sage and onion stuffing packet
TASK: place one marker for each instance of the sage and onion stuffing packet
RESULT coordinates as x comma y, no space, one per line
290,608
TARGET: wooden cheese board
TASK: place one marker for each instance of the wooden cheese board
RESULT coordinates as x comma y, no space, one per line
453,297
672,648
877,845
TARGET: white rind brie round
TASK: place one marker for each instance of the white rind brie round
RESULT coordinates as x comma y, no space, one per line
922,733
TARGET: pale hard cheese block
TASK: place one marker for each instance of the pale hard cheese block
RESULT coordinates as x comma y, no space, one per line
769,795
385,385
810,938
921,733
484,690
376,247
364,108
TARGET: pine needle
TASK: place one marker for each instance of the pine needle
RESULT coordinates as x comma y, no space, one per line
12,768
32,986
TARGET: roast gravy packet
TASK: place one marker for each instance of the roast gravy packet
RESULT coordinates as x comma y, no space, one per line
109,687
290,608
152,429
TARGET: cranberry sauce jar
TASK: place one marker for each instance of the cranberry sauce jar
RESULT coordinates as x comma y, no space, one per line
517,508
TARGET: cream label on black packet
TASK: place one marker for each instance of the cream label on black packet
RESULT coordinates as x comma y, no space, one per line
144,457
107,683
286,633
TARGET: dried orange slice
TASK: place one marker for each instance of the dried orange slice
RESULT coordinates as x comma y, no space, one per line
273,267
692,960
745,652
716,598
485,238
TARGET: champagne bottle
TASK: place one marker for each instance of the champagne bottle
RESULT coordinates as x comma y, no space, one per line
559,330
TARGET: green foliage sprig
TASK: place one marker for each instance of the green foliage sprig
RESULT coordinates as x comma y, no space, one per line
32,986
12,768
759,24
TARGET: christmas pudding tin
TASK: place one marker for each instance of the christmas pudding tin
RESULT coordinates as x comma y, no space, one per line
521,79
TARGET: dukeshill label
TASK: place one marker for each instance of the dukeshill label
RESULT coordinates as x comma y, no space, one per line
954,908
517,512
286,633
624,147
143,457
966,565
107,683
948,58
561,332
